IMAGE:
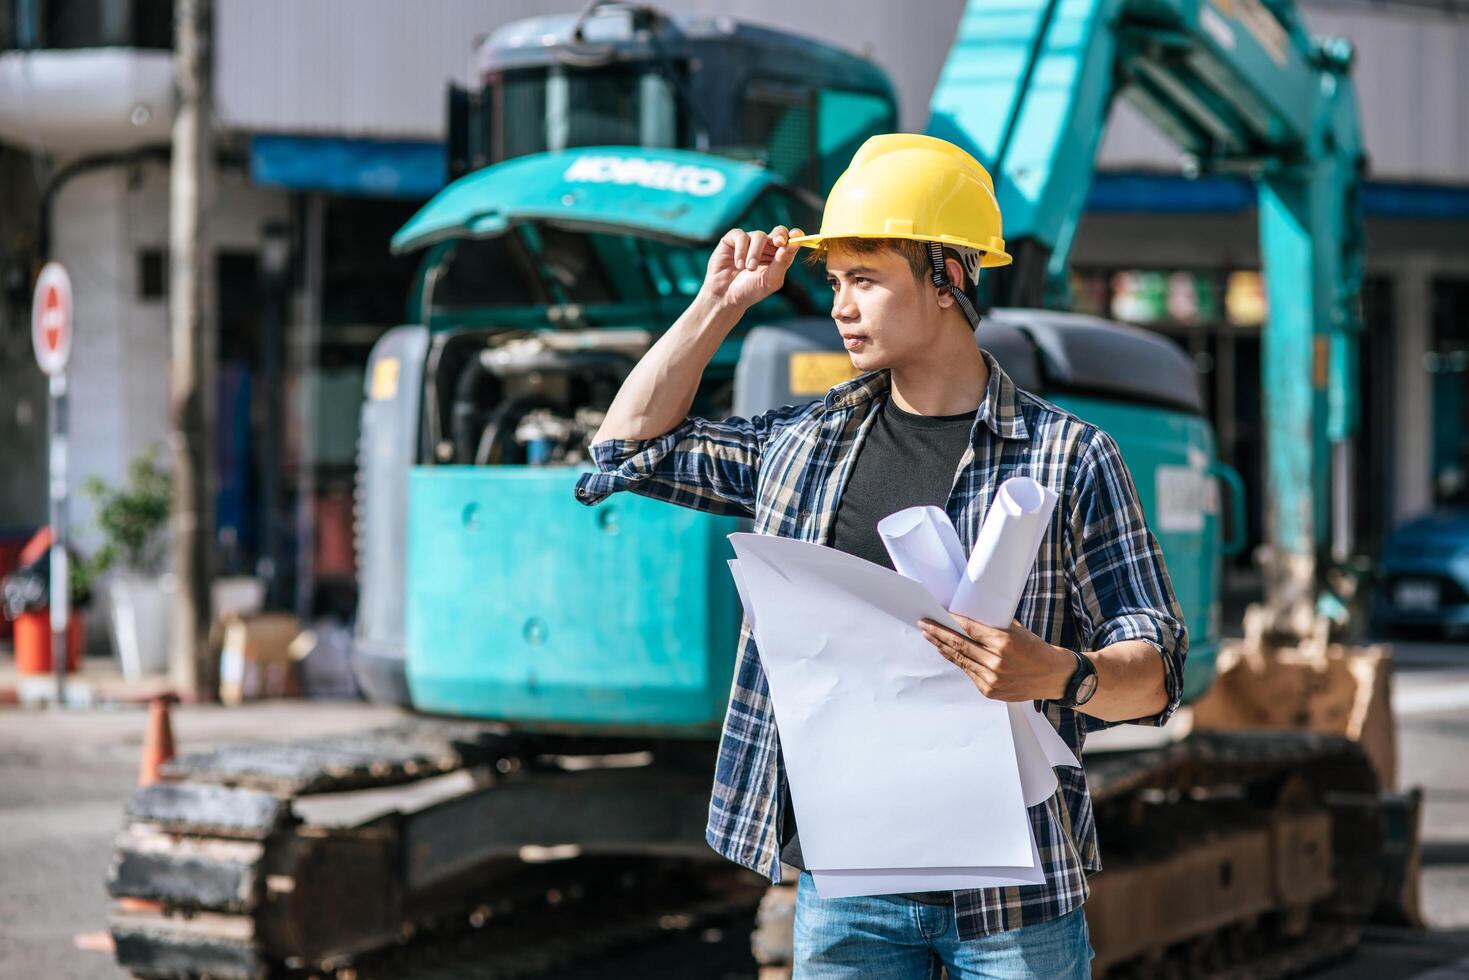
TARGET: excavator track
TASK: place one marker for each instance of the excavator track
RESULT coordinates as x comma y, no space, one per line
599,908
398,852
266,860
1229,854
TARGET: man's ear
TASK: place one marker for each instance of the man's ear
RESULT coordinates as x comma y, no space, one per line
955,271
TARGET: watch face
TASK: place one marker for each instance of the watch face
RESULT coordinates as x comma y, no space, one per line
1086,689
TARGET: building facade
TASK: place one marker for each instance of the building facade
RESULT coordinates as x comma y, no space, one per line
329,132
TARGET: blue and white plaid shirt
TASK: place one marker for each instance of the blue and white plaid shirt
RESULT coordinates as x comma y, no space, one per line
1099,579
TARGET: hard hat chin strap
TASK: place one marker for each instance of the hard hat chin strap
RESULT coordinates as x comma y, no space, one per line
942,283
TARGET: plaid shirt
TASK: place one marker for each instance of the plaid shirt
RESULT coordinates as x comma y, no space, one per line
1099,579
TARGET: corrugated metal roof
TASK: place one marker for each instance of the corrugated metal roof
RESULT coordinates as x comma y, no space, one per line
364,68
379,68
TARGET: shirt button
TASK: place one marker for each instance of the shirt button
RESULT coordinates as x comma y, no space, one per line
581,493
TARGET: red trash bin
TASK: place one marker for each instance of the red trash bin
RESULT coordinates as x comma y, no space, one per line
33,642
10,548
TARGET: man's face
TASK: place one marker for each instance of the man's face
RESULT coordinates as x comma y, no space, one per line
884,314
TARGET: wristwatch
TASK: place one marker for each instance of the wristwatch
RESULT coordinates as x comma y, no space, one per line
1083,683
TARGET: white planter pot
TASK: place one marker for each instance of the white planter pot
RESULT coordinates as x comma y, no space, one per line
140,607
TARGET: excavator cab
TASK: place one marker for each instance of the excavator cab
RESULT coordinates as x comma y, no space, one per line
629,75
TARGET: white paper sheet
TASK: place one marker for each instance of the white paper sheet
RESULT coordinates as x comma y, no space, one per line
885,742
849,883
734,572
1037,778
1058,753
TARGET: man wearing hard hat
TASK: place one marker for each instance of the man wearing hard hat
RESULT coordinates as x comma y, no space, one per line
1099,637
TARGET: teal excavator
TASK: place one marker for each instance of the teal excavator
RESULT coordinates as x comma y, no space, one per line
566,669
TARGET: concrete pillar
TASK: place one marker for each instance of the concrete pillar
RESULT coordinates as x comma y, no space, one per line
106,397
1412,490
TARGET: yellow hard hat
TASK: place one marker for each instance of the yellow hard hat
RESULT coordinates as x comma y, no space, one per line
901,185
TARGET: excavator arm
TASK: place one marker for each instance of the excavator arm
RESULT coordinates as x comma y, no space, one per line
1240,88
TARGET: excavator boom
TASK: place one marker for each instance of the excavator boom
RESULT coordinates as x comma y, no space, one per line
1239,87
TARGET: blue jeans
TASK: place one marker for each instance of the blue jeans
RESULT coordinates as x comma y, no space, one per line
890,937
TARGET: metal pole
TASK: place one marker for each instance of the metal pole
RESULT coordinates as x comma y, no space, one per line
191,394
60,575
308,351
1343,501
274,289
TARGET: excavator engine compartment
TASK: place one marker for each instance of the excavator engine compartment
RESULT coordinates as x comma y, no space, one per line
508,609
515,398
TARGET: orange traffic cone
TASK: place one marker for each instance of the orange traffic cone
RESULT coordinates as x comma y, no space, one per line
158,743
157,749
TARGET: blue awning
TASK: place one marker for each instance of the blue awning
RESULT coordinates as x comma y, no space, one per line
371,168
1144,193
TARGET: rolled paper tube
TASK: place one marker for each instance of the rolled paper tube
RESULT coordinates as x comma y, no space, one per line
1004,553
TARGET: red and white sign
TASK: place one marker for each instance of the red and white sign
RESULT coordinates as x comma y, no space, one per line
51,319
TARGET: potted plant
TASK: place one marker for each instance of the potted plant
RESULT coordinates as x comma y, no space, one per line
133,520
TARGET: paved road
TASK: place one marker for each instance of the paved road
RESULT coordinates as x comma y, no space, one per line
64,778
1431,703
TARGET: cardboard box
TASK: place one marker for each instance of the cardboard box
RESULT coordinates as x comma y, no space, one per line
255,659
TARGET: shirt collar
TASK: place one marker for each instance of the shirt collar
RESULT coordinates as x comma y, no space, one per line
1000,409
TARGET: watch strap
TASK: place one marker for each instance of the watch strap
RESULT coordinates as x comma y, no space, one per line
1084,668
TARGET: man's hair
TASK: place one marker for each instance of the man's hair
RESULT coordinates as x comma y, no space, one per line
915,253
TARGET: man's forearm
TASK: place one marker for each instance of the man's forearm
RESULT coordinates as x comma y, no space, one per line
659,391
1130,682
1014,664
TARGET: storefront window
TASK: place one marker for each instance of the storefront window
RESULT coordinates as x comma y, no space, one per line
68,24
1090,293
1447,367
1184,298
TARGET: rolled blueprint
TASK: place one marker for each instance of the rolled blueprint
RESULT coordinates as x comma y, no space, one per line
989,590
924,546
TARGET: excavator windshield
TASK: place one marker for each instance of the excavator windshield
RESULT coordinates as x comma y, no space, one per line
551,108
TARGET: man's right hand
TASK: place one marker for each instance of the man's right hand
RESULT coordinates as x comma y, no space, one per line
745,268
748,266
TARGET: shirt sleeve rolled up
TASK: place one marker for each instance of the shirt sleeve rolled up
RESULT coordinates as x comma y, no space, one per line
1121,588
702,464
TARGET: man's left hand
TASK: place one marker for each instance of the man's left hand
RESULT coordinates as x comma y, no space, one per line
1005,664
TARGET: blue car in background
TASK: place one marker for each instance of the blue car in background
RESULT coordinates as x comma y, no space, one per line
1423,577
